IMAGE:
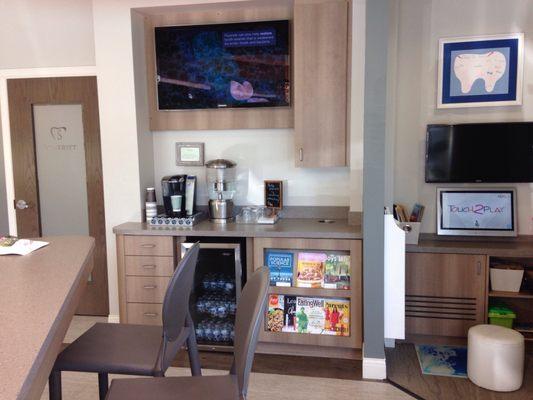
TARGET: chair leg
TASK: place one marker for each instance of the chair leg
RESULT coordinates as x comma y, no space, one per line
54,385
103,385
192,348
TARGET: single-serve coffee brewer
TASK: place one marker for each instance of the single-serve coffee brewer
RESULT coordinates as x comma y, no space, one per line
221,188
179,195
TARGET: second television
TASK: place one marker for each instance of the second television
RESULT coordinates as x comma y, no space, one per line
223,65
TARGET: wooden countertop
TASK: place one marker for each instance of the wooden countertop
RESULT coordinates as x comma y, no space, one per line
287,227
39,293
521,247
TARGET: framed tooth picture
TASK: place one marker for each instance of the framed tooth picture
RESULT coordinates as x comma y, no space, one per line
480,71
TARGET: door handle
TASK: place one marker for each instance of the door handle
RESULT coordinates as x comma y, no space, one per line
150,287
21,204
149,266
479,267
301,154
148,246
150,314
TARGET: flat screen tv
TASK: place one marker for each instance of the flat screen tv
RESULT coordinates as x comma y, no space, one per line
476,212
490,152
223,65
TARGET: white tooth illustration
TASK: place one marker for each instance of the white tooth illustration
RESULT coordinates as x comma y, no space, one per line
488,66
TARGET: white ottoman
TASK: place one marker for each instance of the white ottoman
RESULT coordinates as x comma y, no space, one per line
495,357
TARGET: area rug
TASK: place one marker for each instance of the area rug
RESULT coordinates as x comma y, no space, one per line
442,360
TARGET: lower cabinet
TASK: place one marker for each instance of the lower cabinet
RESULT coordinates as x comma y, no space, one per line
445,293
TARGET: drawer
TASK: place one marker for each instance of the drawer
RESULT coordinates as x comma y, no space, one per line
146,289
149,265
148,245
145,313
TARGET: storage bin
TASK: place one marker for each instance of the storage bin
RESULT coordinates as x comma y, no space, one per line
501,316
412,231
506,278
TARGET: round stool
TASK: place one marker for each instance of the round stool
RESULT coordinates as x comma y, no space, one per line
495,357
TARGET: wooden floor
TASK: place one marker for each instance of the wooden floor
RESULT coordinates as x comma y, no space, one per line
287,365
403,371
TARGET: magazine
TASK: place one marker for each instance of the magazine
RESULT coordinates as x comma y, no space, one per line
21,247
289,314
310,270
337,272
280,265
275,313
337,317
310,316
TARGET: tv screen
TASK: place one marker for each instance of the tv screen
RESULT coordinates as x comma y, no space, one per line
492,152
484,212
223,66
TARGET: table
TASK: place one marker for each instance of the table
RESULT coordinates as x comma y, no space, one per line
39,293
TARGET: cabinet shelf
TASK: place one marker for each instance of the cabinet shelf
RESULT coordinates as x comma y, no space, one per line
312,292
524,294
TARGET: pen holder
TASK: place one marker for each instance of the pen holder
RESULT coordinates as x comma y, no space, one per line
412,231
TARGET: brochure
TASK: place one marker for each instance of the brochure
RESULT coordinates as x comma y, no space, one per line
12,245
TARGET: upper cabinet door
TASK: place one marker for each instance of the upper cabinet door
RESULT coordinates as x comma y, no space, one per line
320,82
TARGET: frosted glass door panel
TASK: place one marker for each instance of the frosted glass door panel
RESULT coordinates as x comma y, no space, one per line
60,153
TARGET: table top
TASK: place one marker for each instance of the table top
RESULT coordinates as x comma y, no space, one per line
38,295
285,227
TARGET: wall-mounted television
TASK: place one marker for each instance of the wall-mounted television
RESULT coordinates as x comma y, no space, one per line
476,212
488,152
223,65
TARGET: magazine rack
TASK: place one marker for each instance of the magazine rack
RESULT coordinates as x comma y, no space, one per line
326,344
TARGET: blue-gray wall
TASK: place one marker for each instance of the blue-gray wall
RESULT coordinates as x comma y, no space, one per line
377,34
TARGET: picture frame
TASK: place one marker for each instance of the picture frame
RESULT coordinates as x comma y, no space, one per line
274,194
480,71
189,154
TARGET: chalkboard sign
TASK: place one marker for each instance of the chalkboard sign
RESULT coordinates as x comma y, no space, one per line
274,194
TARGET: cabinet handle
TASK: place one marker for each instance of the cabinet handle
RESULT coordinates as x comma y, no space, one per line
479,267
149,266
151,314
148,246
301,154
150,287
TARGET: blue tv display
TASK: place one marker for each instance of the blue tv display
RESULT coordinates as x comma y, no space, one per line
223,66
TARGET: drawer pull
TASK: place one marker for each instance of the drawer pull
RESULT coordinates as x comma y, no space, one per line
151,314
149,266
148,246
149,287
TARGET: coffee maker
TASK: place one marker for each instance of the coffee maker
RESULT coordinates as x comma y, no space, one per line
221,188
173,191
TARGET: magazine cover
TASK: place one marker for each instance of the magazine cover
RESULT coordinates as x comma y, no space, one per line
337,317
275,313
280,264
310,316
289,314
337,272
310,269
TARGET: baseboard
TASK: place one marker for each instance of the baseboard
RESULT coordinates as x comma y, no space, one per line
113,318
374,368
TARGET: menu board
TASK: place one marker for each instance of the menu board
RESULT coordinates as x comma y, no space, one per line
274,194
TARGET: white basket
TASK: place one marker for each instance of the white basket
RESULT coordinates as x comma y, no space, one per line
412,231
506,280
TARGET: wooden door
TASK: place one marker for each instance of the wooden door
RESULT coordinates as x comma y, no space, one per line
24,95
445,293
320,82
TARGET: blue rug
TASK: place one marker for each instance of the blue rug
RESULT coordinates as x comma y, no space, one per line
442,360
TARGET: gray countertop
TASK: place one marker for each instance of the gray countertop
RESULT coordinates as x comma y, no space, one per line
289,227
38,293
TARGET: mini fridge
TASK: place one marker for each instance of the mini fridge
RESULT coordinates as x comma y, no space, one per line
219,278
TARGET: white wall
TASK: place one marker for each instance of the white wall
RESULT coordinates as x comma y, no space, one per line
259,154
421,24
46,33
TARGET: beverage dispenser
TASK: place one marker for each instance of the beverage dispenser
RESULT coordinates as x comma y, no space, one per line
221,178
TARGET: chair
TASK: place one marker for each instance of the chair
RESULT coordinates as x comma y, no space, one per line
136,349
250,311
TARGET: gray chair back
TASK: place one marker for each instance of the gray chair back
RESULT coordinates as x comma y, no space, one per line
176,307
248,321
